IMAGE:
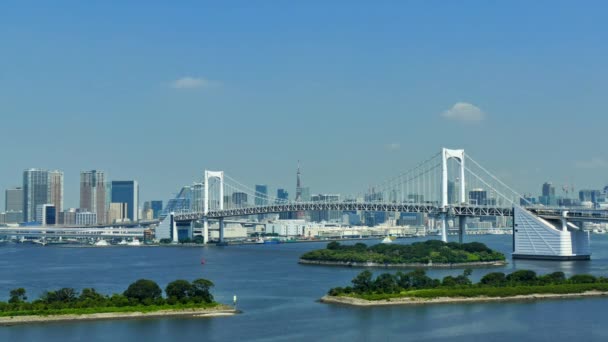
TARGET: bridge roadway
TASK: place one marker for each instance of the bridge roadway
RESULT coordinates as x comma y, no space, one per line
433,209
50,232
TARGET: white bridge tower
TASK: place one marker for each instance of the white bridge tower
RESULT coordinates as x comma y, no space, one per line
209,175
447,154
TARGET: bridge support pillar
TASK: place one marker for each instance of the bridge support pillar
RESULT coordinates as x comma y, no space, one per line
462,225
205,230
444,227
173,228
221,221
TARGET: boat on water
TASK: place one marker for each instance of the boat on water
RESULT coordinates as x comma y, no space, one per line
123,242
272,242
101,243
135,242
389,239
259,240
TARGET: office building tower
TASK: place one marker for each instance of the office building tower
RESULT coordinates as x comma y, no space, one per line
56,189
117,212
13,199
548,189
93,196
35,192
325,215
157,208
261,194
13,205
46,214
197,195
239,199
478,197
127,192
282,196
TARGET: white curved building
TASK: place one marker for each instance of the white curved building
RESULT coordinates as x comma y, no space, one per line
537,238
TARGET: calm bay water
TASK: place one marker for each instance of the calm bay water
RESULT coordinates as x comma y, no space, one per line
278,297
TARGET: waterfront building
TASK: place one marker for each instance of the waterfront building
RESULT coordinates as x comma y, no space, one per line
127,192
56,189
411,219
67,217
11,217
86,218
93,196
118,212
46,214
35,192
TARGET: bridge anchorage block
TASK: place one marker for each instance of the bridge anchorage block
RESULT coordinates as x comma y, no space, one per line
538,238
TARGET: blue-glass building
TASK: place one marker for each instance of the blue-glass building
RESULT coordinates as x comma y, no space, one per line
127,192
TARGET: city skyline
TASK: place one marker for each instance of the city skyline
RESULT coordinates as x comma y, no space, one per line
362,96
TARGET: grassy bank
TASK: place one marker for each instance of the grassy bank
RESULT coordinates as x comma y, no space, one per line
110,309
416,285
485,292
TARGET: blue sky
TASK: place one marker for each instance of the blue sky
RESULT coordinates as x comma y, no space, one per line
358,91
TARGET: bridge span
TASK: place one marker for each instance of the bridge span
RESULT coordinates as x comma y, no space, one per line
448,185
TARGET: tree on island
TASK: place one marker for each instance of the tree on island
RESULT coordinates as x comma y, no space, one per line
178,290
201,289
143,290
17,296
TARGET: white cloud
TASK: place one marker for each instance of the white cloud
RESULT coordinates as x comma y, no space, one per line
463,111
189,82
594,163
394,146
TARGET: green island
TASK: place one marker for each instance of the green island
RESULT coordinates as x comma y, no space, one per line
431,253
416,287
143,298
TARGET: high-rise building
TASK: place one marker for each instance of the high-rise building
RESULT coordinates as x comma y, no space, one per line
478,197
282,196
198,193
13,199
117,212
157,208
93,195
548,189
239,199
451,192
56,189
325,215
35,192
127,192
261,194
